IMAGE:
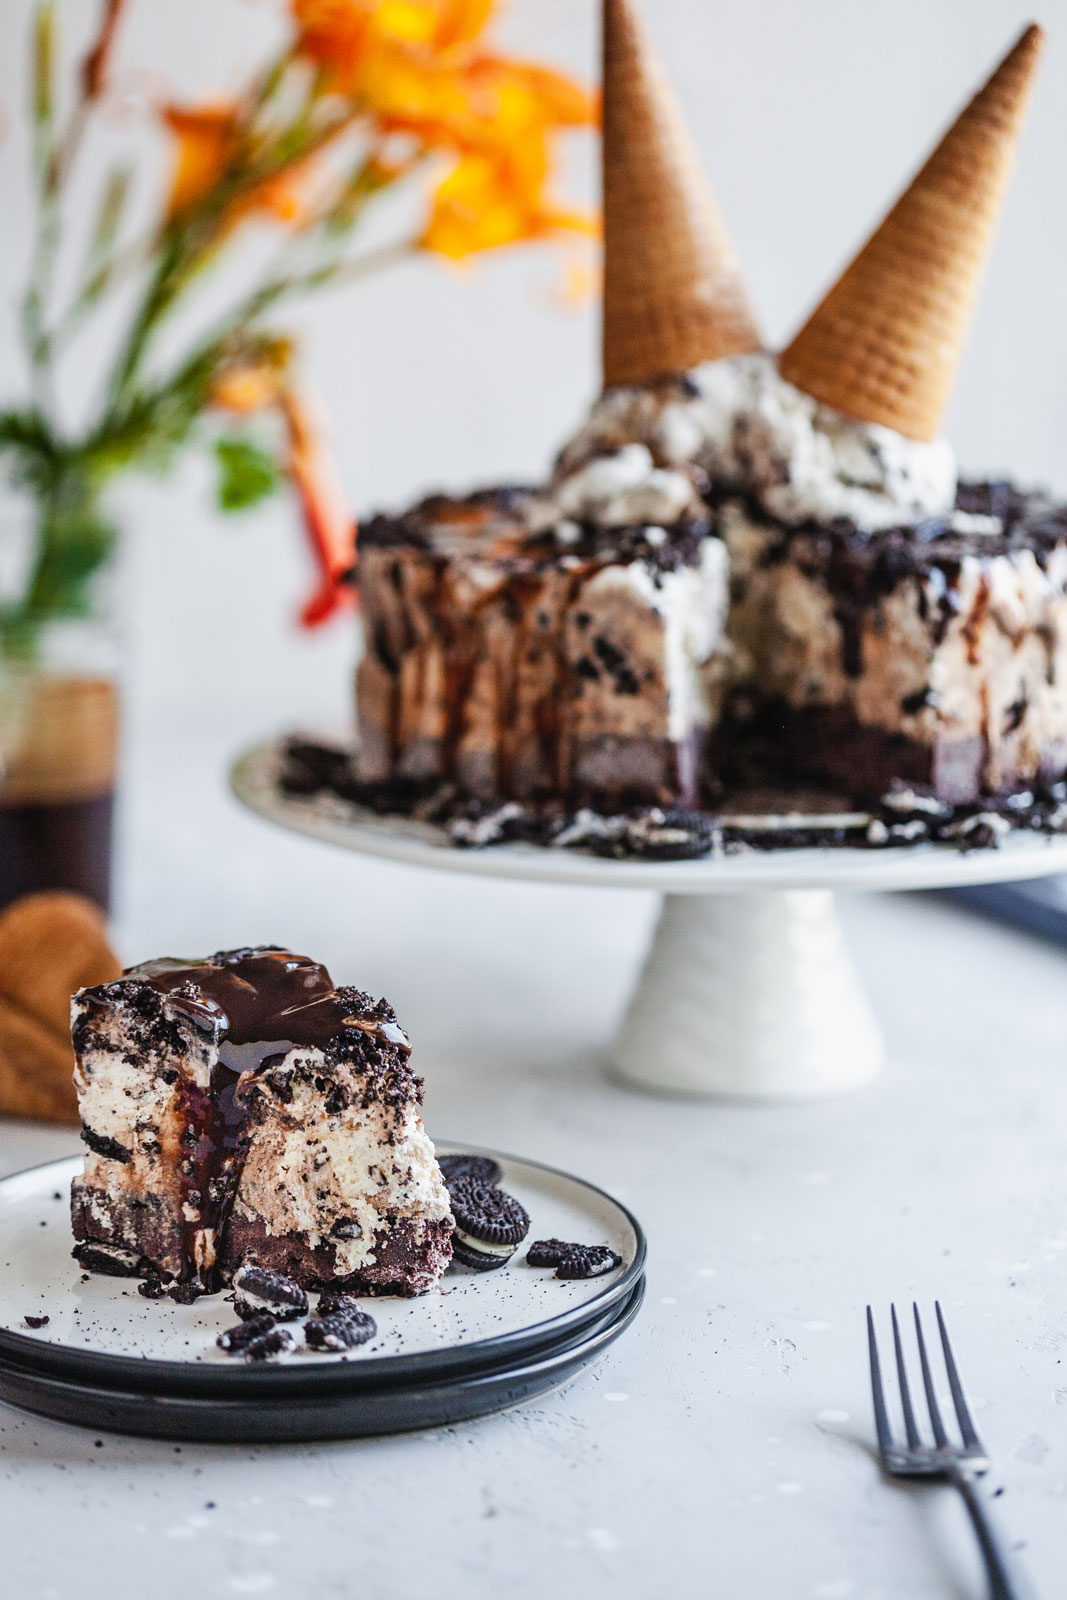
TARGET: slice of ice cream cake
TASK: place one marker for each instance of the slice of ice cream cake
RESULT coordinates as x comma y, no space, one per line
242,1109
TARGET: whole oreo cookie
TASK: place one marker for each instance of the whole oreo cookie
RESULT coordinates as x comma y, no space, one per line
573,1260
484,1168
490,1224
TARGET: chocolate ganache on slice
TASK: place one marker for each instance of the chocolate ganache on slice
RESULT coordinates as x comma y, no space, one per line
243,1110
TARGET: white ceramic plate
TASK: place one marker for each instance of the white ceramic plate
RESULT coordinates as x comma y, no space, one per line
102,1326
919,866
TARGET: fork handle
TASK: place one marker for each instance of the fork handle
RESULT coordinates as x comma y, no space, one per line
1007,1580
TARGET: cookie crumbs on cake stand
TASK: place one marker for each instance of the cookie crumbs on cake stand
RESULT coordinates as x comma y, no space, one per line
748,989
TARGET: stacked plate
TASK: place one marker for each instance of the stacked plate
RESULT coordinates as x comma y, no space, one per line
109,1359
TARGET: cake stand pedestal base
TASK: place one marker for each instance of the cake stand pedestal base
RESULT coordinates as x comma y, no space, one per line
752,996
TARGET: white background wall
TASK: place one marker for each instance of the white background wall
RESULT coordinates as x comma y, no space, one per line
809,116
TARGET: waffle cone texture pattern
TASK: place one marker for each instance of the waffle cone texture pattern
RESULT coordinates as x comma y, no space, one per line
673,294
885,343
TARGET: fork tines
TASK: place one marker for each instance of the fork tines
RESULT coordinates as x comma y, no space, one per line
915,1456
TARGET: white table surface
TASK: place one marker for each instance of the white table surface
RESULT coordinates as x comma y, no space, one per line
721,1449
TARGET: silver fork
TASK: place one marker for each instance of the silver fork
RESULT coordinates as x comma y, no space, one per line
959,1464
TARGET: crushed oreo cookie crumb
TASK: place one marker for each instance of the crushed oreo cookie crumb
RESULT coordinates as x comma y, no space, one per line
36,1322
905,815
332,1303
237,1339
268,1345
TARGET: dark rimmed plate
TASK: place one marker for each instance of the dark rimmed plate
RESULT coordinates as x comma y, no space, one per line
344,1414
102,1334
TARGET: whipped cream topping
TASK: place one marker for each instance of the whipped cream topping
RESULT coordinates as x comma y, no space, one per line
744,425
620,489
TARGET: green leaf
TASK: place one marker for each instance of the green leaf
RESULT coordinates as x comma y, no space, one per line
247,473
105,229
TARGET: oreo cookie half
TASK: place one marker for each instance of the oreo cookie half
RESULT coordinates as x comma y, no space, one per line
258,1289
339,1330
490,1224
573,1260
588,1261
484,1168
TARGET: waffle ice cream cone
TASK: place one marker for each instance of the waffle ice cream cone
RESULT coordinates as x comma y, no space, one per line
673,294
885,343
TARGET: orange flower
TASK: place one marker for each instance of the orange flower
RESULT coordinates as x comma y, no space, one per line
497,194
207,145
341,35
419,69
479,207
418,66
205,141
254,382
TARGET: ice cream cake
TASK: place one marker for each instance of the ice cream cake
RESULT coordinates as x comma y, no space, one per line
241,1110
744,566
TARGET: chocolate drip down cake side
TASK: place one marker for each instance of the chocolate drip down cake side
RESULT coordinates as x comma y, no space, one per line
744,569
241,1110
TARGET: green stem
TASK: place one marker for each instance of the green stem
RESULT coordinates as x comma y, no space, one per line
115,270
332,273
73,539
189,245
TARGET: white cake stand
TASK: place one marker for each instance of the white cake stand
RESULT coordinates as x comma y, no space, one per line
748,989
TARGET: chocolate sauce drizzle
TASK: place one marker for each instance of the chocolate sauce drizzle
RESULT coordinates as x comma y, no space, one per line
251,1006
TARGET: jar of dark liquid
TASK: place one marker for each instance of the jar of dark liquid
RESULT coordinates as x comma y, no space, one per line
58,745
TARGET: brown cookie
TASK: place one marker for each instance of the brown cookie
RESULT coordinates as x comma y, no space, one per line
36,1069
50,945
